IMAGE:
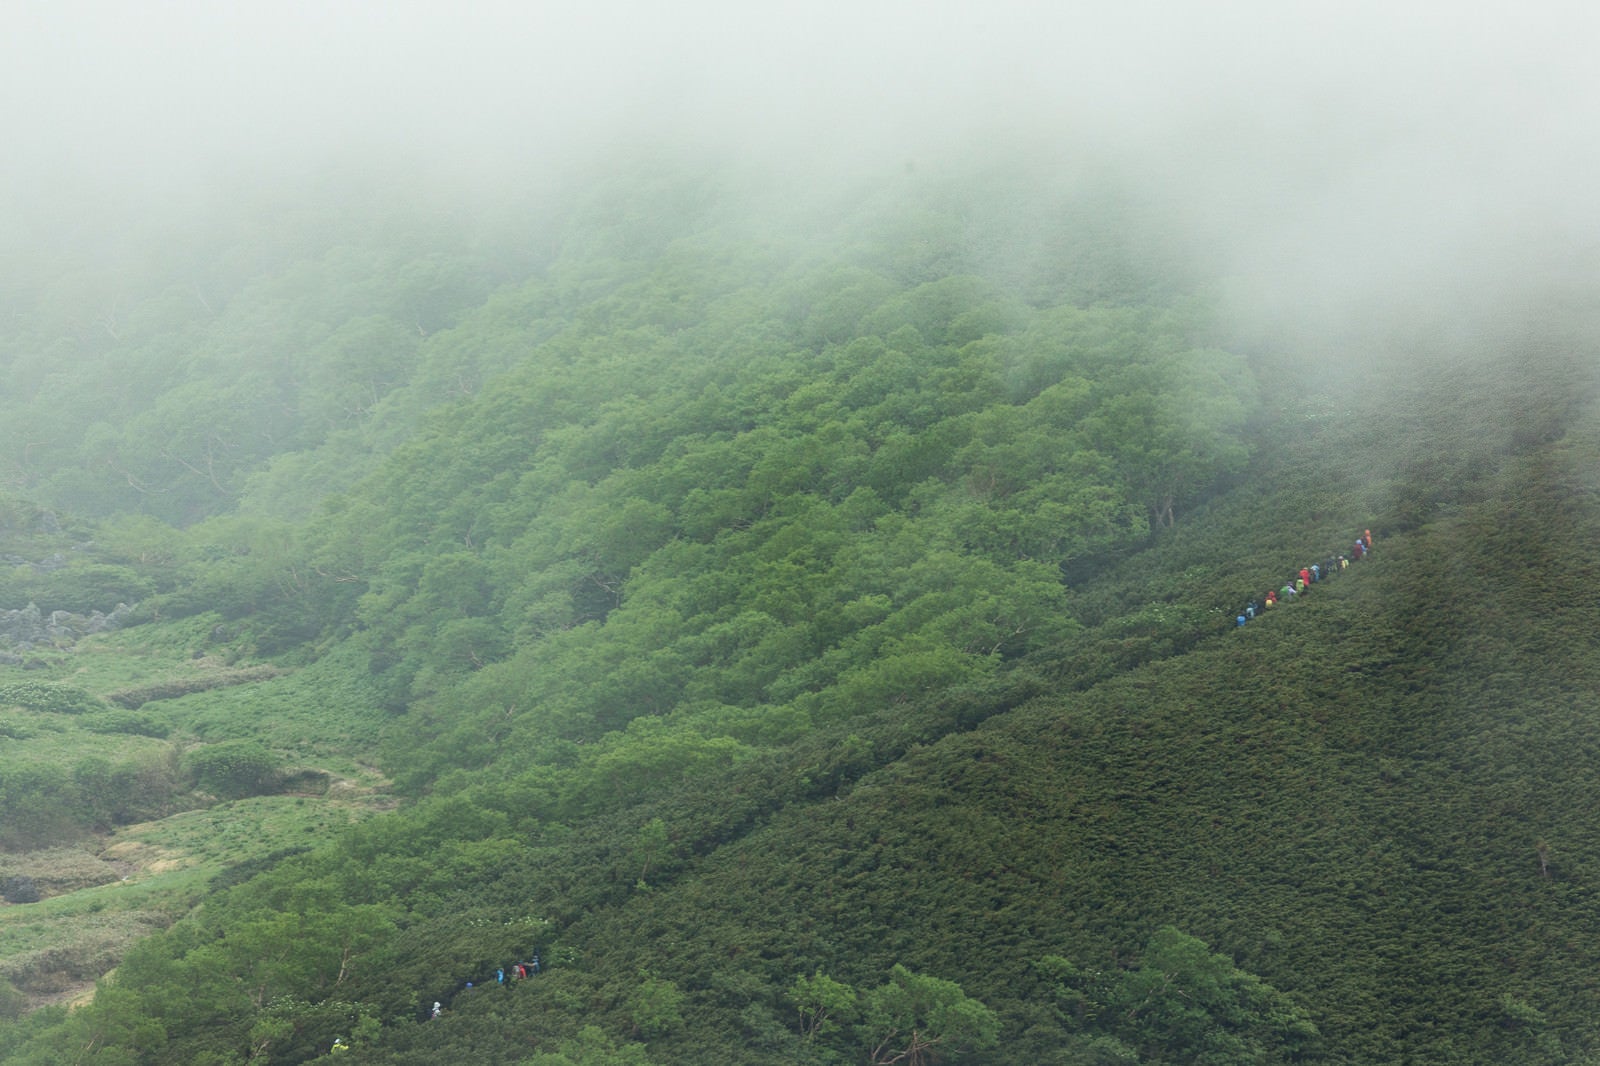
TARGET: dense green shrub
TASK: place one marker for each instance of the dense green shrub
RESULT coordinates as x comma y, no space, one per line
19,889
232,769
142,725
85,587
48,697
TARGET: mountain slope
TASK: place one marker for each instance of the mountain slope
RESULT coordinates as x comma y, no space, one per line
1377,799
770,618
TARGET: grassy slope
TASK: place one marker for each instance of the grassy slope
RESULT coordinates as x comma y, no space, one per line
104,890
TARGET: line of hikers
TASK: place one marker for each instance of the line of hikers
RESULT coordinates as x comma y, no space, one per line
519,971
1306,577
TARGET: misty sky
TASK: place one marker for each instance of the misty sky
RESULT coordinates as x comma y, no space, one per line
1311,141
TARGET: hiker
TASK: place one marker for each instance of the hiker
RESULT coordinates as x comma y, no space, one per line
1316,573
1358,551
1305,578
500,976
1344,562
1239,622
339,1045
1367,536
436,1009
535,961
520,970
1286,593
1272,598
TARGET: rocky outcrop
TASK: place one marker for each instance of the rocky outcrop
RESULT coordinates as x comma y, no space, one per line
28,628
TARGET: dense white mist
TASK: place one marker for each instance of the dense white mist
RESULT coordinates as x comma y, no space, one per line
1322,154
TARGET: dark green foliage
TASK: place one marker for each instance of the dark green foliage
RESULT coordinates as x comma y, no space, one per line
244,871
19,889
48,804
42,806
130,791
12,1003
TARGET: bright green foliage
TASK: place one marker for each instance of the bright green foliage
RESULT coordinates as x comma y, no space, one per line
917,1019
835,530
652,847
591,1047
655,1007
1183,1003
823,1004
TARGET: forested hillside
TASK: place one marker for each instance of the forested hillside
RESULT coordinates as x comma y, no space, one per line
806,626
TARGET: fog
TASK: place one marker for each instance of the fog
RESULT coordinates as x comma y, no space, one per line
1325,162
